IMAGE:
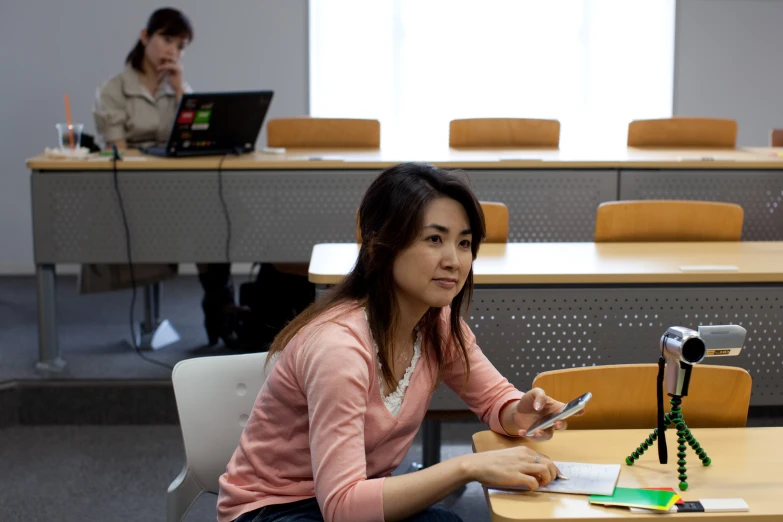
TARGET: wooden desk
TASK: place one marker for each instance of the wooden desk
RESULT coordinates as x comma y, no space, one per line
745,464
489,158
281,205
594,263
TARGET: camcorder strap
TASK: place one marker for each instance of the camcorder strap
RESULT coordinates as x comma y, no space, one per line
663,453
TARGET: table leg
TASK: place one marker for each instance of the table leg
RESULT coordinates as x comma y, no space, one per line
49,359
155,333
156,302
430,443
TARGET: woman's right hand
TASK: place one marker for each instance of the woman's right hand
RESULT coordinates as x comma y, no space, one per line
512,467
173,71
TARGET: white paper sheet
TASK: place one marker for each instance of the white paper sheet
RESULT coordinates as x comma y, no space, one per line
583,479
709,268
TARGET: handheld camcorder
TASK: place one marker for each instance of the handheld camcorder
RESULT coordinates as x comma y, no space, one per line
684,347
681,348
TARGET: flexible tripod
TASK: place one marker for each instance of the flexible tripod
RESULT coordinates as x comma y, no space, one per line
675,418
681,348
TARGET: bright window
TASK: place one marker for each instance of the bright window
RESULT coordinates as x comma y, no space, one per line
417,64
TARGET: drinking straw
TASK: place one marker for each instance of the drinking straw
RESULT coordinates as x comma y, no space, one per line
68,118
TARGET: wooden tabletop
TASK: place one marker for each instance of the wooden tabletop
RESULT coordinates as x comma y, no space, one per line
746,463
615,158
594,263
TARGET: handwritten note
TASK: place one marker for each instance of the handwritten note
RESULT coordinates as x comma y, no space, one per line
583,479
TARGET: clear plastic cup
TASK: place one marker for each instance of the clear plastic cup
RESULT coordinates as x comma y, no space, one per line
63,135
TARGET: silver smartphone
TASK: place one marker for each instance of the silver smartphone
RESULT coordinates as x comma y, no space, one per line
575,406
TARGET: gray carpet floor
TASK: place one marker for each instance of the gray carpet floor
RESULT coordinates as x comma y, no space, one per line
94,330
121,473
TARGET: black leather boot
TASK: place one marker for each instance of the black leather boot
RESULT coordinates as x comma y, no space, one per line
218,304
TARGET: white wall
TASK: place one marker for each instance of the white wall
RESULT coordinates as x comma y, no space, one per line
727,64
51,48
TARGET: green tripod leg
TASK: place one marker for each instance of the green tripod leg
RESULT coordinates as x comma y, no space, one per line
684,435
644,446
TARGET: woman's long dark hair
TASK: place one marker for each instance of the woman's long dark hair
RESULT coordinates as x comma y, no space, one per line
166,21
391,217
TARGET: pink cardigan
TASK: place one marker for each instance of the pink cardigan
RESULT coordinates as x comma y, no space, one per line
319,427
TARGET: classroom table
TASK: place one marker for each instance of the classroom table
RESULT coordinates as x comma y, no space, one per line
274,208
745,464
546,306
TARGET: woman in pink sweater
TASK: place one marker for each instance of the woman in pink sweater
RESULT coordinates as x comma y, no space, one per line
352,376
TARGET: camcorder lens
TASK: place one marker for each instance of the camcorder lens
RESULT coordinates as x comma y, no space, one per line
693,350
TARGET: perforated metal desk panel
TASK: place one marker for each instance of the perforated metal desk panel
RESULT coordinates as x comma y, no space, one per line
527,330
759,193
276,216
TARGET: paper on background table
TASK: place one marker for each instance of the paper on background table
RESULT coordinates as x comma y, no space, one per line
705,158
583,479
709,268
315,157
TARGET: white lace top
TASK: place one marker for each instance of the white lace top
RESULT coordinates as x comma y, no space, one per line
393,401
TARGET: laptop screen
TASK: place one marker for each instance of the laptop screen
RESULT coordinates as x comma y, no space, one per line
220,122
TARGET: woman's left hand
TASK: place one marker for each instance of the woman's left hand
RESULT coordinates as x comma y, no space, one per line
533,406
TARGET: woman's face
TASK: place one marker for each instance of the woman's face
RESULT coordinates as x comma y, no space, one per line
433,270
160,49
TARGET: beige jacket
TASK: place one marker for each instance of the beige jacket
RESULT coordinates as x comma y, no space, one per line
125,109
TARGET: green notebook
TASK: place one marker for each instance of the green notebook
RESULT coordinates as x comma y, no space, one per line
643,498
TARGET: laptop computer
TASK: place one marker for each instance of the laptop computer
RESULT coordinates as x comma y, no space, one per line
216,123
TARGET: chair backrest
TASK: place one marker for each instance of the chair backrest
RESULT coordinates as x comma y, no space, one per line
504,132
495,220
683,132
215,396
313,133
667,220
624,395
776,138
